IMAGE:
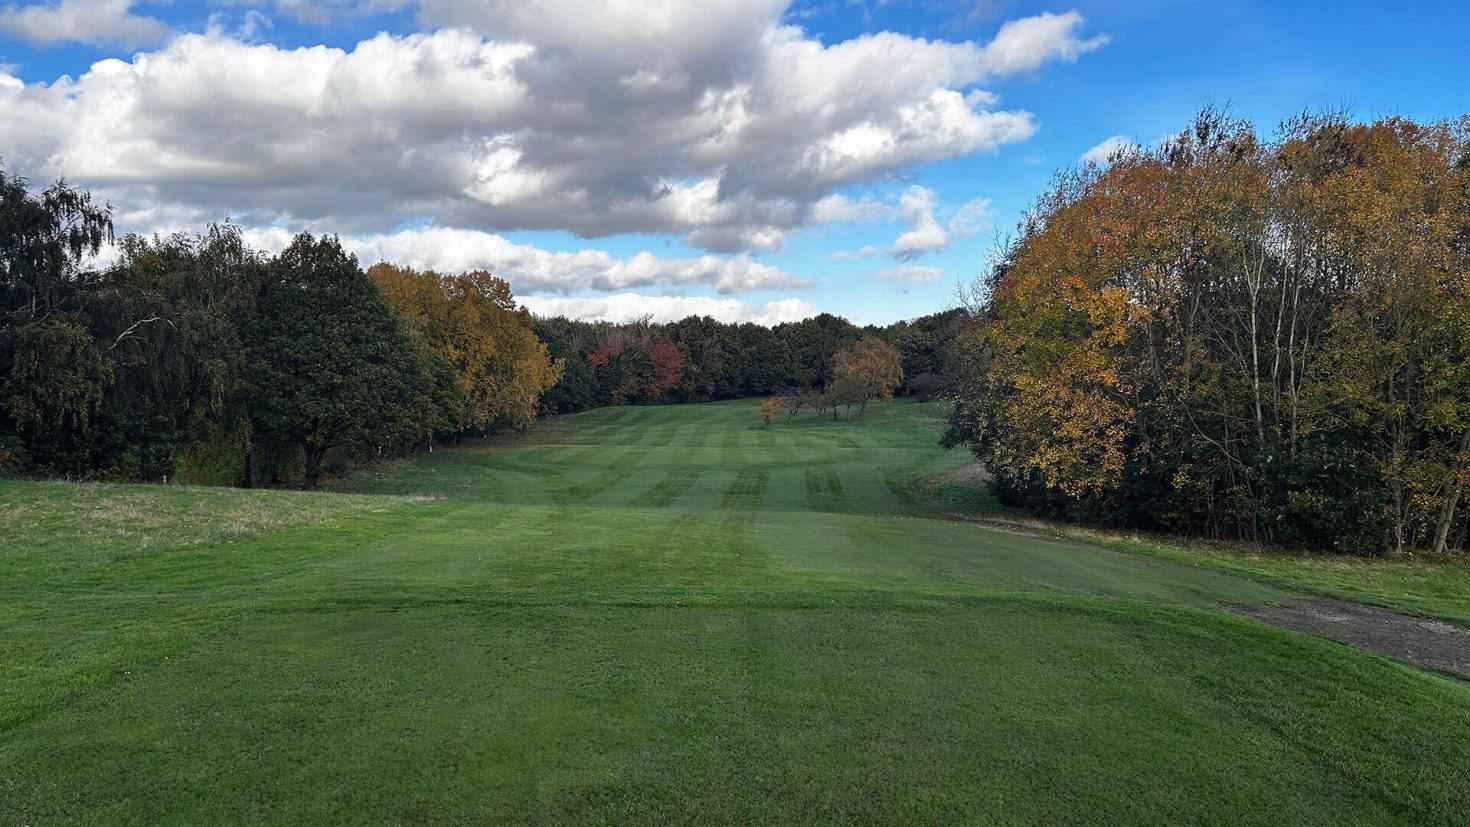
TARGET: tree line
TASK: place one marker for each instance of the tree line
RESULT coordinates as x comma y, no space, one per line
1246,338
700,359
194,357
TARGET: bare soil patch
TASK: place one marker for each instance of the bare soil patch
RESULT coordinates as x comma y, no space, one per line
1418,640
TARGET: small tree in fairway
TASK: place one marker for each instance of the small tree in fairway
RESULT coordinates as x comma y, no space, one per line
794,403
328,361
768,412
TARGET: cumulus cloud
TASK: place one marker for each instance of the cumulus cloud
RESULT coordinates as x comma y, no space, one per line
529,268
1101,153
711,121
925,234
974,216
835,208
95,22
622,307
1025,45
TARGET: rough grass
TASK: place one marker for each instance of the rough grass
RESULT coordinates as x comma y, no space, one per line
1421,584
673,616
124,519
1425,585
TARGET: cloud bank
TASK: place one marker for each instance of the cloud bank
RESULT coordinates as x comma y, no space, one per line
709,121
623,307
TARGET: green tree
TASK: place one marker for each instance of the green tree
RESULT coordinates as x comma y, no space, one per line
53,372
329,365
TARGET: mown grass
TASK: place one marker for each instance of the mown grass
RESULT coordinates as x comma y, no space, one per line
672,615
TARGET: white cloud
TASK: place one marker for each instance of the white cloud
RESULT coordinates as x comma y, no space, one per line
911,273
94,22
854,255
712,121
925,234
532,269
1102,152
835,208
1025,45
975,216
622,307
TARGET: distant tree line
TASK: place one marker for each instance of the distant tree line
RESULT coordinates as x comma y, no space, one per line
1265,340
195,357
699,359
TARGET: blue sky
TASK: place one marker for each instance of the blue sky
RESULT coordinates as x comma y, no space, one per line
754,159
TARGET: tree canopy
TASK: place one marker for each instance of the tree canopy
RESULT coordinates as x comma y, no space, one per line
1256,339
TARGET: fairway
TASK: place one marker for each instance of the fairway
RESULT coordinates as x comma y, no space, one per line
667,615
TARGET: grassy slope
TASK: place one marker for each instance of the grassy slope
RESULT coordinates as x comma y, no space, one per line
1417,584
1420,584
670,615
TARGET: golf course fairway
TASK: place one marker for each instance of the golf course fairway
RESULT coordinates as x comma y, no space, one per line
668,615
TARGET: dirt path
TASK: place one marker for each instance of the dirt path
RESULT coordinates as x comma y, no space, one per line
1428,643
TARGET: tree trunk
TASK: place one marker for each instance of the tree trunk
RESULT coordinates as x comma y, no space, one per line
313,472
248,439
1451,499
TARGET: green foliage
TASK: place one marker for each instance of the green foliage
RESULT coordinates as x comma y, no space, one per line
329,365
52,372
1330,496
45,240
57,376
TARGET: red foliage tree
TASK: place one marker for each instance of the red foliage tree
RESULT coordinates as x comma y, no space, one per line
604,354
666,369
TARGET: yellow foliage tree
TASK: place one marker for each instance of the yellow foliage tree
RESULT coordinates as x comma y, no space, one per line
471,321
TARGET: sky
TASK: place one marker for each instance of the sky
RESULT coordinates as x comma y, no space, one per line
758,160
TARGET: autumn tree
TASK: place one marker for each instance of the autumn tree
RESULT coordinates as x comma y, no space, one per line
666,367
1242,338
472,323
634,363
845,392
768,411
794,402
872,365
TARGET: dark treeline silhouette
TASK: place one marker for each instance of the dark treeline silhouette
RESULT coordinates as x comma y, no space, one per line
1256,339
194,357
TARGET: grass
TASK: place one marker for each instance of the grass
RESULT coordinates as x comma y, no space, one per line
662,615
1420,584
